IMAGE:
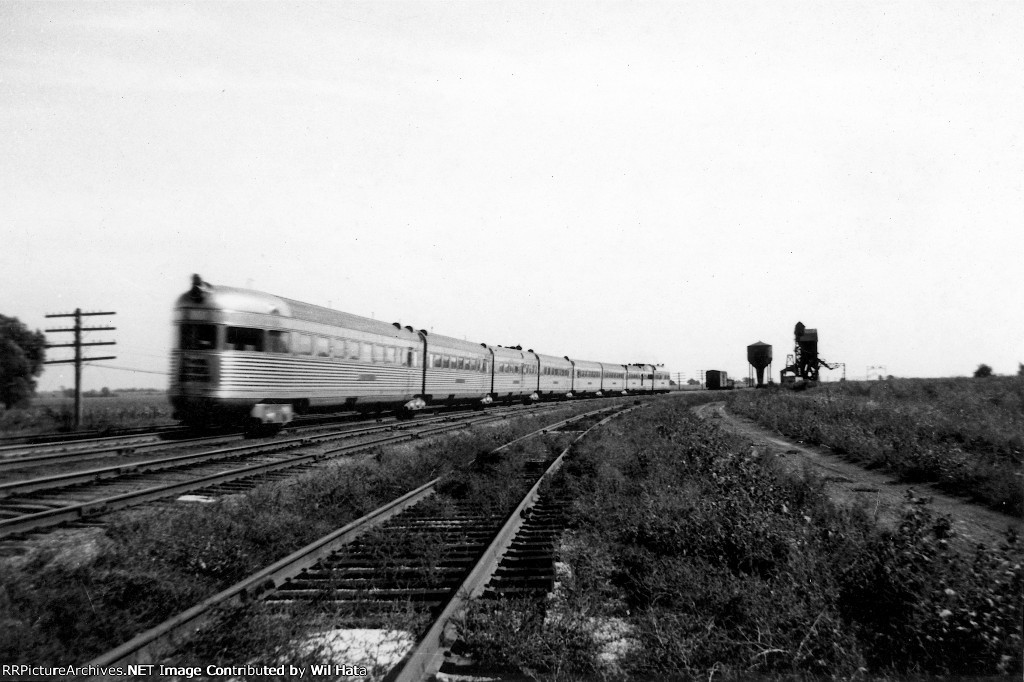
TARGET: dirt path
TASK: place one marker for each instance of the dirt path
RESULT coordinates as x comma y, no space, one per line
850,484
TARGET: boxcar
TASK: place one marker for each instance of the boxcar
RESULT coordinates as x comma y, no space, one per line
716,380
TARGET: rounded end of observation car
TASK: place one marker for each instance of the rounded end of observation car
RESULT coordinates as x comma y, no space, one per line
215,297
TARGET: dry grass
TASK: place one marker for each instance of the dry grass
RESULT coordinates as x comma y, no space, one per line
125,410
964,435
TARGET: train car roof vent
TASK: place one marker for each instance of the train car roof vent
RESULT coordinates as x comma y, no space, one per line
409,327
199,288
424,332
483,344
396,325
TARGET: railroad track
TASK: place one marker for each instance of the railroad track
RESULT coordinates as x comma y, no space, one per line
35,504
141,442
422,559
10,442
20,452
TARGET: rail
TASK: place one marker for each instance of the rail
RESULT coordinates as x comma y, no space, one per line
149,646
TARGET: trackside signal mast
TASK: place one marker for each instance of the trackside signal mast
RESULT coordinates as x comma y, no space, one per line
78,344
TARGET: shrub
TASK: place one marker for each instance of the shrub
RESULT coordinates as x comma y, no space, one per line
716,563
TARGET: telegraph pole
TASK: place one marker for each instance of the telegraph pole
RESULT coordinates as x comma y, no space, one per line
78,345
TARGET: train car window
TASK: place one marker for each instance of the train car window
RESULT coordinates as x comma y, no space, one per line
352,347
198,336
244,338
460,363
323,347
484,366
302,344
365,352
338,348
277,341
378,352
438,361
389,354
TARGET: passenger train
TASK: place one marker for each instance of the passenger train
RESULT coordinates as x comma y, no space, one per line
246,356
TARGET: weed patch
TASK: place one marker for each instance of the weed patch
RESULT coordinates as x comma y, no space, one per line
964,435
150,564
714,562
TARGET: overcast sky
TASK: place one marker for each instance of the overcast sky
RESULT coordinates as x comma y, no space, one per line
665,182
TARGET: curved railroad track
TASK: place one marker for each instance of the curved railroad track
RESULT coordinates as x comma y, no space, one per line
410,556
38,503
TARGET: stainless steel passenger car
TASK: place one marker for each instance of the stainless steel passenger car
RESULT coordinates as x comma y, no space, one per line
586,380
554,376
613,378
662,379
508,375
242,355
457,371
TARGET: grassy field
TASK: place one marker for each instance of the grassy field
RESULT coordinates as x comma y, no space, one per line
964,435
49,414
689,559
74,600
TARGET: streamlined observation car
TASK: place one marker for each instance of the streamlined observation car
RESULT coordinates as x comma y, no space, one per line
242,353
